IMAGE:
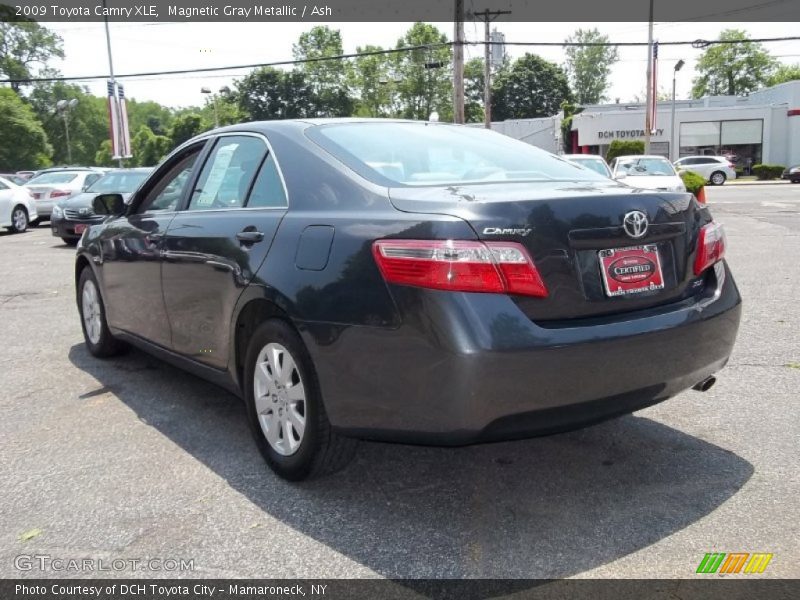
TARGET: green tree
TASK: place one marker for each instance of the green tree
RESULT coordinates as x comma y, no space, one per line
327,78
102,157
23,142
733,69
185,127
473,90
149,148
268,93
588,67
88,121
531,87
156,116
371,79
624,148
423,76
785,73
25,49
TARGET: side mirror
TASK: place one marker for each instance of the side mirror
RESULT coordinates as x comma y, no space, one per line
109,204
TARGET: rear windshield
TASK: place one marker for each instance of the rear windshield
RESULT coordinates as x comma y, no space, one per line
595,164
118,183
645,166
46,178
426,154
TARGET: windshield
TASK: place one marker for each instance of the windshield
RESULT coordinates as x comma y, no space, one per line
420,154
595,164
46,178
124,182
646,166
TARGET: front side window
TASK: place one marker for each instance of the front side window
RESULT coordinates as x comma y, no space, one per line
420,154
228,172
168,190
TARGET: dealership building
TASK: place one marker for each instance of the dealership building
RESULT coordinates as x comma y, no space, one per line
762,127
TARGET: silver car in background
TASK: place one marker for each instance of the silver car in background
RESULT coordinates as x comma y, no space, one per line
647,173
55,186
716,169
595,162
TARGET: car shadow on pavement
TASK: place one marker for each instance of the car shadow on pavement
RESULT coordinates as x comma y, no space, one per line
543,508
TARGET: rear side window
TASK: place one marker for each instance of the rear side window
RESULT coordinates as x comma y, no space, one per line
268,189
228,173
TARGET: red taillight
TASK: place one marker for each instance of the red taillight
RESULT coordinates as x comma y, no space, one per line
463,266
59,193
710,247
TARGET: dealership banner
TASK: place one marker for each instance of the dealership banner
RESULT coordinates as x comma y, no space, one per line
407,10
387,589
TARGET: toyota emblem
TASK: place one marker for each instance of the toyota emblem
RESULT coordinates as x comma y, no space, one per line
635,224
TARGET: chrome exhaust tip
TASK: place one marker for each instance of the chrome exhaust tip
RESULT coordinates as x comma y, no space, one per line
705,385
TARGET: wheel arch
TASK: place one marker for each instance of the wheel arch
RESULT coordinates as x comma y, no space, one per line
253,313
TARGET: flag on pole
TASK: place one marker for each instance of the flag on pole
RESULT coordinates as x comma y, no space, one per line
653,108
118,121
113,119
125,136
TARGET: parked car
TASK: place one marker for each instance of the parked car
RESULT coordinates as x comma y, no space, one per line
13,178
716,169
591,161
454,286
25,174
70,218
792,174
647,172
55,186
17,208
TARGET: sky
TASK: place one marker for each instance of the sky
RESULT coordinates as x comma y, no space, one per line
146,47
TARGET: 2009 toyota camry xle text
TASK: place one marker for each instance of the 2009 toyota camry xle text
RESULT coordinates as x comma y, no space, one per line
406,281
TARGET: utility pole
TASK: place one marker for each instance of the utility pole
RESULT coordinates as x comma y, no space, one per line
649,93
488,16
458,63
673,155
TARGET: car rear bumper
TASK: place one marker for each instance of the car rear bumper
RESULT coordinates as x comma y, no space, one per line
466,368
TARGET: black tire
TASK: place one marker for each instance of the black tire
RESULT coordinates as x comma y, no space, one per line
19,219
321,450
106,345
70,241
721,178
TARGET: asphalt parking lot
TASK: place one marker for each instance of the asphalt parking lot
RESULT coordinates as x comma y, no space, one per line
131,458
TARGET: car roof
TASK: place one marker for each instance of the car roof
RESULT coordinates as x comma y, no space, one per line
702,156
129,170
642,156
573,156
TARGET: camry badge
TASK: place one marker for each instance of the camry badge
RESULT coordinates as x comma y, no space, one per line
523,231
635,224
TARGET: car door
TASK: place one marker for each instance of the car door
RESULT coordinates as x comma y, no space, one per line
215,245
132,247
6,197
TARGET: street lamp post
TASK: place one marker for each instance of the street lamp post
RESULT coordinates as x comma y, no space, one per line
63,107
207,90
672,154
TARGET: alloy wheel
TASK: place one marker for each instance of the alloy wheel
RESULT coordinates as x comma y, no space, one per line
92,312
280,399
19,220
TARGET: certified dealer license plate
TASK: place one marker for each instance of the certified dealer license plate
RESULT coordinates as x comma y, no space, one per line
631,270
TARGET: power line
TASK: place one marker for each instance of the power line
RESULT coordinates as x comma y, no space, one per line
694,43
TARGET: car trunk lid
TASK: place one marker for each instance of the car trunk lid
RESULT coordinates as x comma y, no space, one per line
565,226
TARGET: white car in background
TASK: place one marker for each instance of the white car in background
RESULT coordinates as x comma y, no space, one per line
594,162
716,169
54,186
17,207
647,172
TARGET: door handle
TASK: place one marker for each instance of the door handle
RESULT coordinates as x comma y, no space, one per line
249,237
